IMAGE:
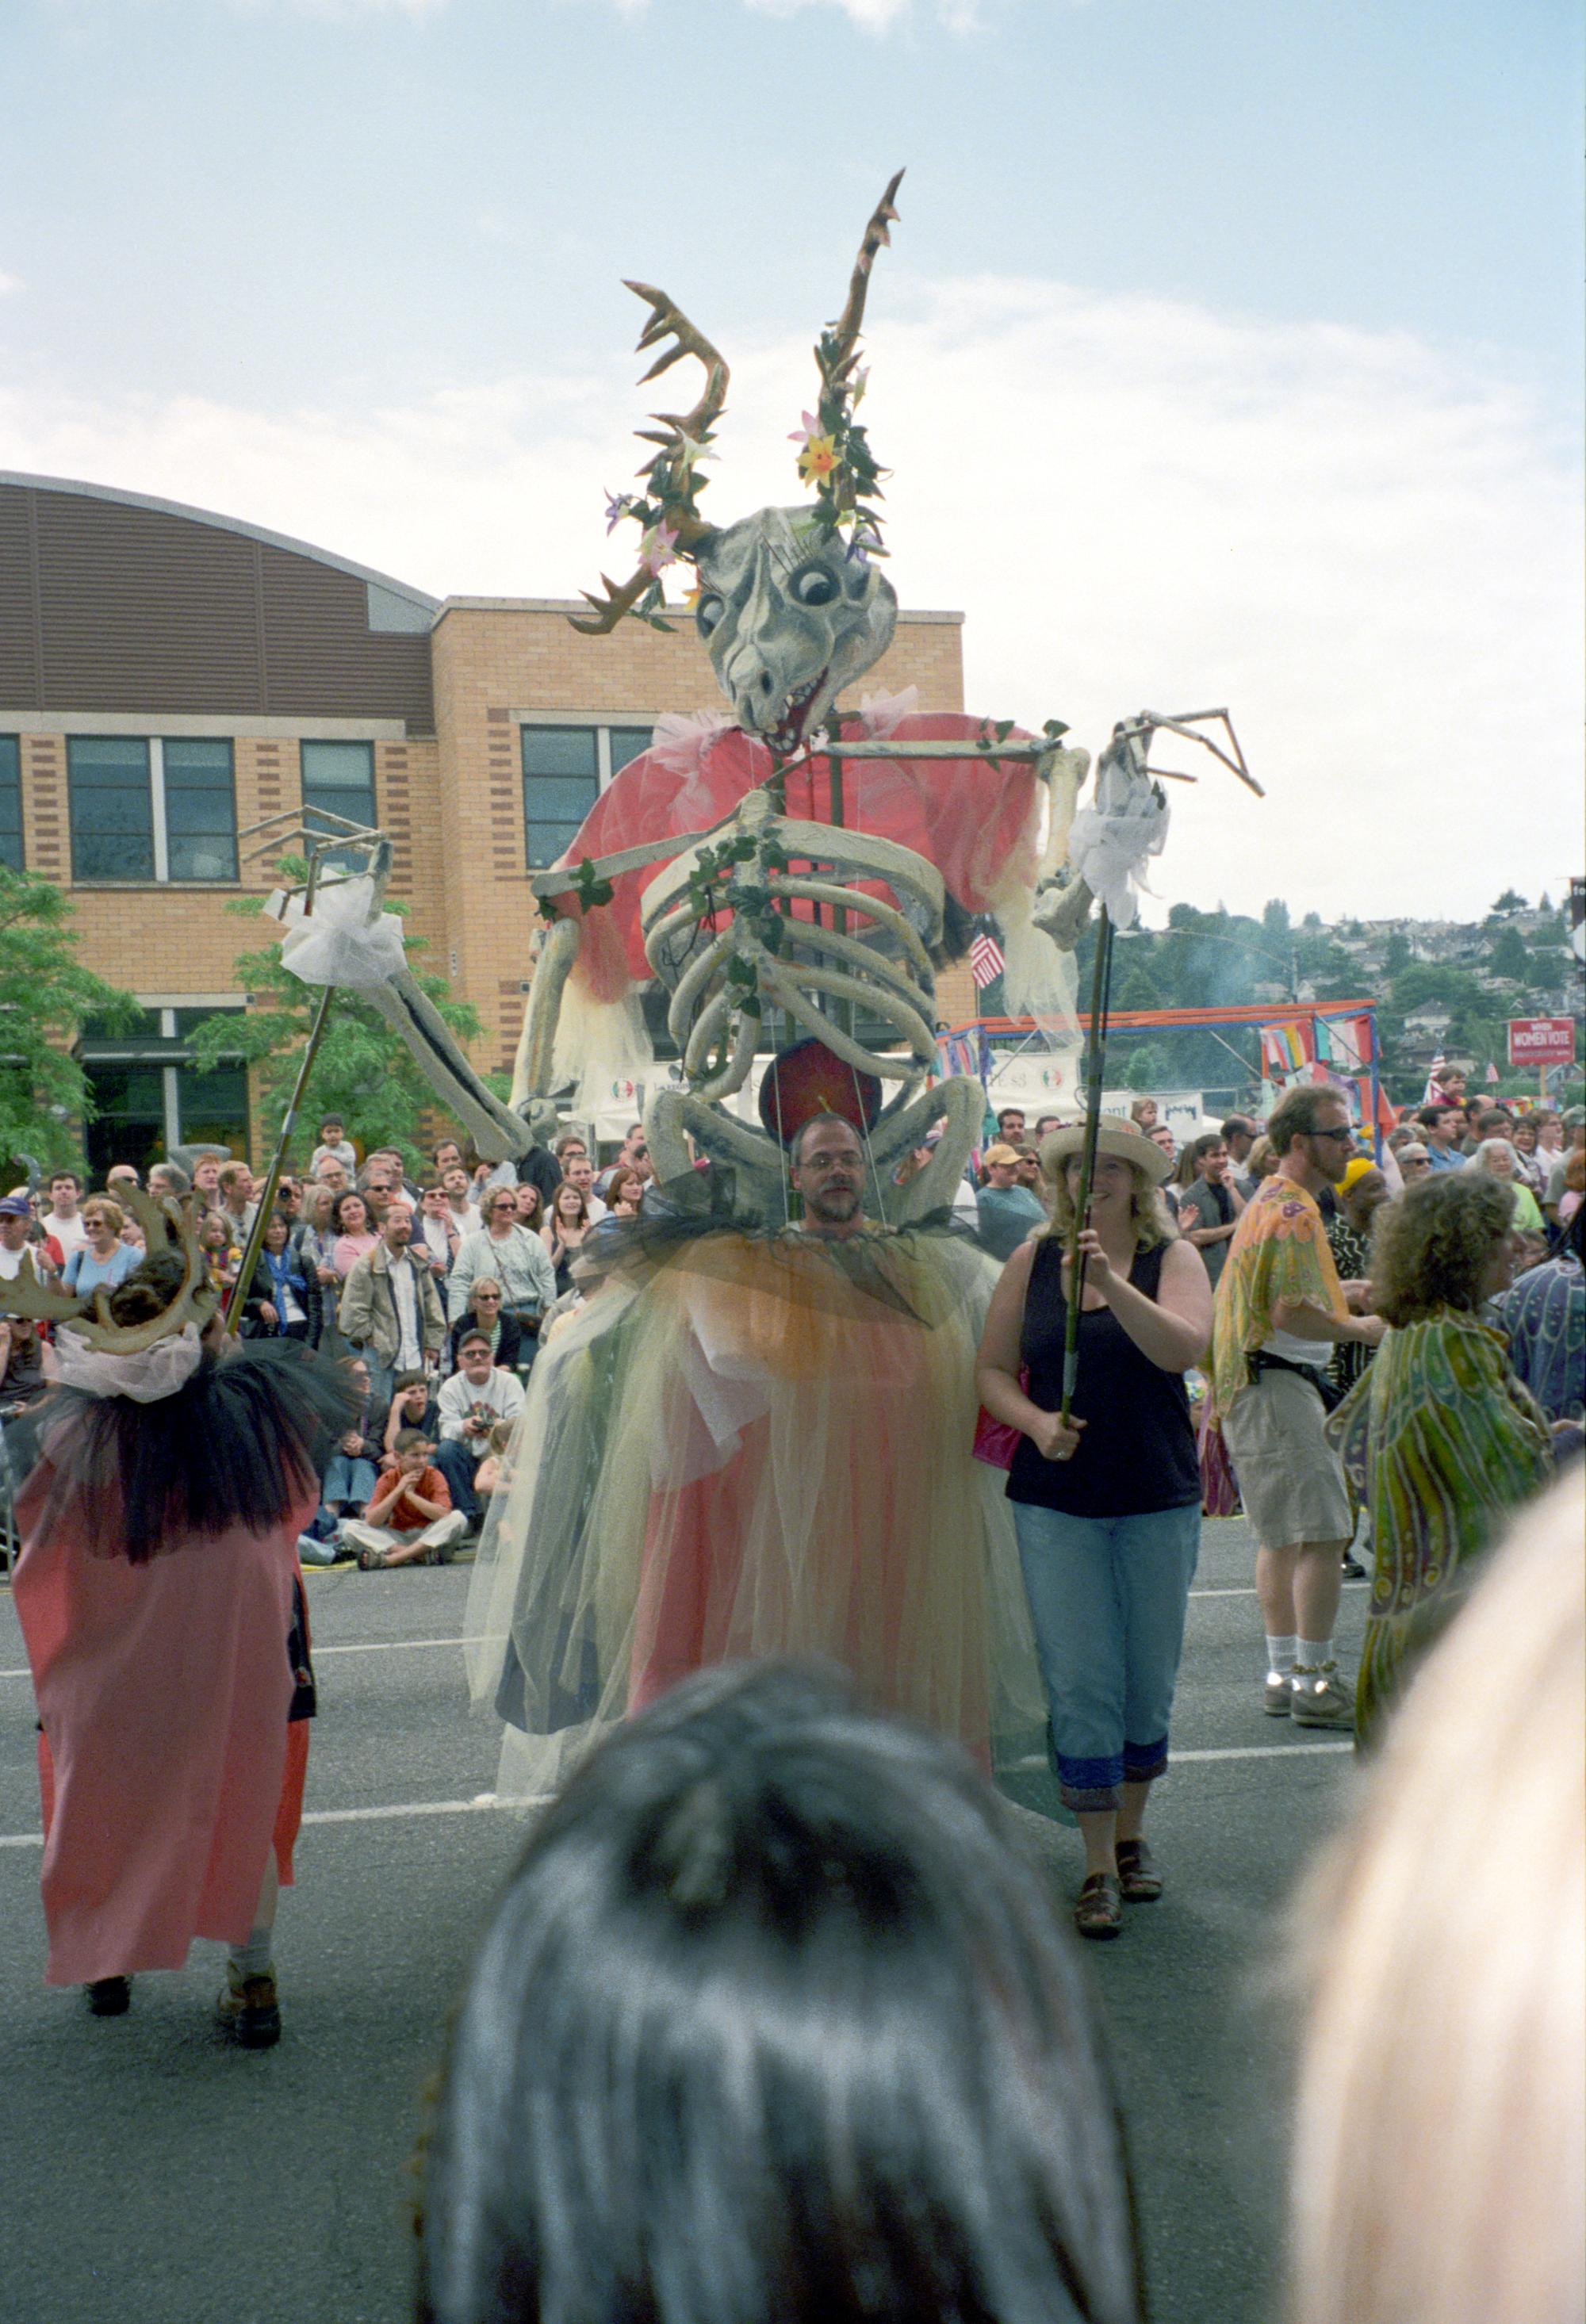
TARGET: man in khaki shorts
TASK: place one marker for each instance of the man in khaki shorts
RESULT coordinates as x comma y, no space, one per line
1280,1305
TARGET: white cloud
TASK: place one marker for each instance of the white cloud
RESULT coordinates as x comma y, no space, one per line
1368,550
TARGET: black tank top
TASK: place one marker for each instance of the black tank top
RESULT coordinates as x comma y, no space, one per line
1139,1452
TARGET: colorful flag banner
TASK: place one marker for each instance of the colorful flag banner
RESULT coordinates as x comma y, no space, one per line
1345,1042
1286,1050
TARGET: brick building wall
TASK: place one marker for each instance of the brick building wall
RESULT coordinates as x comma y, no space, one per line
136,618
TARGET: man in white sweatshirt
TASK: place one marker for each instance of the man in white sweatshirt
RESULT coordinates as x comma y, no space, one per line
478,1393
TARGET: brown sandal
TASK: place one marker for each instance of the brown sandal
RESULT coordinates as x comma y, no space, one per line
1098,1912
1138,1879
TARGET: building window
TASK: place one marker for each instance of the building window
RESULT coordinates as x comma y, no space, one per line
627,743
200,811
339,780
147,810
11,802
565,770
112,808
561,781
149,1096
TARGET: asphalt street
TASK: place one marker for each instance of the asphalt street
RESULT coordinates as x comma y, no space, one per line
151,2174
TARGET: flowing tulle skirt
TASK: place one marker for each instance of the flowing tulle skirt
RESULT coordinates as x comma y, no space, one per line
756,1446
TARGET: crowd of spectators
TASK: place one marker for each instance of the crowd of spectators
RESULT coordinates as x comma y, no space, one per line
399,1268
434,1285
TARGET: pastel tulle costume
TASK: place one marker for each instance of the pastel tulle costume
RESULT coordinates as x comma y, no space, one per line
747,1445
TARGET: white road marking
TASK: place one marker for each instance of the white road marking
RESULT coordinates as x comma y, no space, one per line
389,1646
1238,1751
485,1803
414,1645
1247,1592
488,1804
369,1647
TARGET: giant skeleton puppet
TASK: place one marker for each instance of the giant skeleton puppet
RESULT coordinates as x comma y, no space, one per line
753,1440
788,858
785,857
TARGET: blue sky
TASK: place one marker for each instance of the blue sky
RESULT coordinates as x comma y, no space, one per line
352,268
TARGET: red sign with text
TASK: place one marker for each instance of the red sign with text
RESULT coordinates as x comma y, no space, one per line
1542,1041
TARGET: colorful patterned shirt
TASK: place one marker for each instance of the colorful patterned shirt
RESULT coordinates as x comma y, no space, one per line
1278,1251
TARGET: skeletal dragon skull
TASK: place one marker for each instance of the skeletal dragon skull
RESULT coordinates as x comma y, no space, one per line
790,614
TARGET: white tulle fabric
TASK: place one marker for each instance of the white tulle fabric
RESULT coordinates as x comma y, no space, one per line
881,713
146,1376
680,740
753,1451
345,940
1112,841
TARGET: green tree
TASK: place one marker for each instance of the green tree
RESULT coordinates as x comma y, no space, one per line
1397,954
1509,901
363,1071
1508,956
1141,1069
45,993
1275,925
1136,988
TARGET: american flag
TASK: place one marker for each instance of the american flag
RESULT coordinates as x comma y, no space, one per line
986,961
1435,1079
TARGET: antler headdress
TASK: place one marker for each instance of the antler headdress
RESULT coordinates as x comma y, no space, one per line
89,1319
835,454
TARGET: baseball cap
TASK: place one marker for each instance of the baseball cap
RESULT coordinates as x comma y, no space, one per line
1001,1154
16,1206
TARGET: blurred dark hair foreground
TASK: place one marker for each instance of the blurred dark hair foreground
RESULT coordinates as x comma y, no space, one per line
771,2022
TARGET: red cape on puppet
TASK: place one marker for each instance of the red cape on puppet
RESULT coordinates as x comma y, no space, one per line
972,818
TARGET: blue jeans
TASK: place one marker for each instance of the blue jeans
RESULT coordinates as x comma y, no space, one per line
349,1480
457,1465
1107,1597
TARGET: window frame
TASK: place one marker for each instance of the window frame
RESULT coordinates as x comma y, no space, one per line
21,864
308,742
603,729
157,1047
76,787
165,742
153,748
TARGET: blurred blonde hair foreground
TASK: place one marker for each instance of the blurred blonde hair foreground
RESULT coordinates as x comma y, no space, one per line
1440,2157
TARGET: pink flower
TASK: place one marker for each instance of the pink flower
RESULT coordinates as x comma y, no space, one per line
660,550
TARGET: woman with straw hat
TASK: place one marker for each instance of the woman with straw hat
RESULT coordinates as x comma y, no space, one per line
1107,1505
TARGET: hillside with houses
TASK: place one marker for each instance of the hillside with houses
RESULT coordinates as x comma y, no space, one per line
1446,987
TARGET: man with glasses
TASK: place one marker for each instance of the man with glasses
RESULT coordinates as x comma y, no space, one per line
1280,1308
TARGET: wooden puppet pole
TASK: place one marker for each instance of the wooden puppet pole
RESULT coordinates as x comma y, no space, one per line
266,1203
1095,1075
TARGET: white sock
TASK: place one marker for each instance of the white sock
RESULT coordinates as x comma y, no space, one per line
1314,1652
252,1959
1281,1654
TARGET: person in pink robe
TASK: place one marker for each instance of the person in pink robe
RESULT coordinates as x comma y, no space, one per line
160,1602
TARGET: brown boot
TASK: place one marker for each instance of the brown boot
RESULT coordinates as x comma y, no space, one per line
249,2010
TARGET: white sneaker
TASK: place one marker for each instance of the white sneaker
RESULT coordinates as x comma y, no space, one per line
1319,1698
1275,1695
